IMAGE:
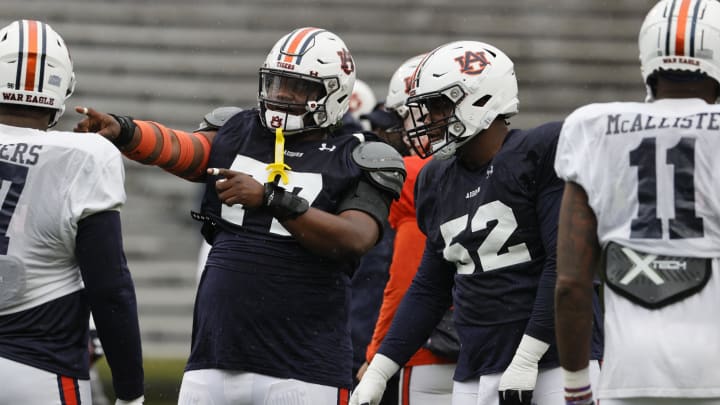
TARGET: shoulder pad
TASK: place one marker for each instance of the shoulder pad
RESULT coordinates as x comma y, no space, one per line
217,118
383,164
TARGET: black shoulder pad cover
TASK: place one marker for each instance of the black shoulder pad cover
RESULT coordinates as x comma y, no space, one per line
216,118
383,165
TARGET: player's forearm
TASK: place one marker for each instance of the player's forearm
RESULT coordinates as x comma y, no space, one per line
578,252
345,236
421,309
110,291
414,321
542,320
181,153
573,324
407,253
118,330
391,299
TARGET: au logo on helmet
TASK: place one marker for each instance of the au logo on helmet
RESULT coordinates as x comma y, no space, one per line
346,61
276,122
472,63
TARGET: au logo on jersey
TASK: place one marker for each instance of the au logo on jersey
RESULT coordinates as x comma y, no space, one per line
472,63
346,61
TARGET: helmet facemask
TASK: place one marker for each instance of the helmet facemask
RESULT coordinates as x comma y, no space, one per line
436,130
293,102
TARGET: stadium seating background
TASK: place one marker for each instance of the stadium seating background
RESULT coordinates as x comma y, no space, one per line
174,60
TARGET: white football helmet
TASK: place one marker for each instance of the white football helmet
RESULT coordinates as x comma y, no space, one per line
306,81
476,79
680,36
399,87
362,99
35,67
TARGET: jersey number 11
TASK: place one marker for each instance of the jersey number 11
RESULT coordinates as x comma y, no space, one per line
686,224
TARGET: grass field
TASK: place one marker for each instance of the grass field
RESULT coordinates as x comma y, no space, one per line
162,380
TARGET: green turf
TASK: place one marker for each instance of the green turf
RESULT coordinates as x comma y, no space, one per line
162,380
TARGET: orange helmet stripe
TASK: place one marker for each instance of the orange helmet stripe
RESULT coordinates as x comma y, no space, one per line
681,27
32,55
294,44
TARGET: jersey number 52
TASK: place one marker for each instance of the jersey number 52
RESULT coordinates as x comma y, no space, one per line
489,250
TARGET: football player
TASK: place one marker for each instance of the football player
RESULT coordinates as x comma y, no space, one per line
426,377
290,206
61,251
488,204
641,206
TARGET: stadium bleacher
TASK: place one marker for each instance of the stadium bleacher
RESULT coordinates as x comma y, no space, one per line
173,60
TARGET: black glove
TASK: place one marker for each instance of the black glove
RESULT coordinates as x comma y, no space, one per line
514,397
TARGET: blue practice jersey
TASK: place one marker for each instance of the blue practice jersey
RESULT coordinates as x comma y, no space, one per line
491,242
266,304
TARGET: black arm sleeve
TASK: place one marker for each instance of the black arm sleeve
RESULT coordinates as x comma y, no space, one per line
549,196
111,293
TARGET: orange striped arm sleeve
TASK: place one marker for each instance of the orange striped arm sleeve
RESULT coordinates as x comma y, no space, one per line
184,154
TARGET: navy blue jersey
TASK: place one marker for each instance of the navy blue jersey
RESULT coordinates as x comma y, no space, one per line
52,336
491,240
265,304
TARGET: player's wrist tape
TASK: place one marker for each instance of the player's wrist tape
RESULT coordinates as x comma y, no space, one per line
577,387
521,374
383,366
284,204
531,349
127,130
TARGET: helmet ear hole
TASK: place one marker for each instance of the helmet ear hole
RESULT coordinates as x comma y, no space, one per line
482,101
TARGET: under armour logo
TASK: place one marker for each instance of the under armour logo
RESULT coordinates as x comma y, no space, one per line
472,63
276,122
641,266
324,146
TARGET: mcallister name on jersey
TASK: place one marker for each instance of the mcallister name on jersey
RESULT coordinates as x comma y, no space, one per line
20,153
623,123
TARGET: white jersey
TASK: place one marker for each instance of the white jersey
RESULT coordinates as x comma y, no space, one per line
653,163
50,181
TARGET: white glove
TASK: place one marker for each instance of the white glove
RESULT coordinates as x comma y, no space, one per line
137,401
519,378
372,386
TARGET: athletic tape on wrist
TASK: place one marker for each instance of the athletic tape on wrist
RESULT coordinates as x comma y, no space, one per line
127,130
